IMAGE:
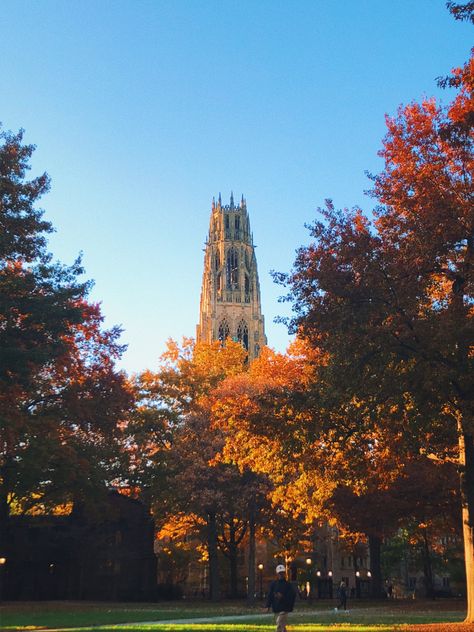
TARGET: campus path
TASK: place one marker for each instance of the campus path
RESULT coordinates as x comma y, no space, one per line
221,619
236,618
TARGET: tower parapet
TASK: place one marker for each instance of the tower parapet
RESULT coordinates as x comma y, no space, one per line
230,295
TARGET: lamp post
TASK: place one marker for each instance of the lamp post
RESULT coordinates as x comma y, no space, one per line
260,575
330,584
309,561
3,561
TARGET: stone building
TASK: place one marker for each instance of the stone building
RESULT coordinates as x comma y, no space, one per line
230,295
103,552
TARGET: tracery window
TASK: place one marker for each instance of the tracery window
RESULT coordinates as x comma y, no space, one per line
243,334
237,226
247,289
223,330
217,261
232,269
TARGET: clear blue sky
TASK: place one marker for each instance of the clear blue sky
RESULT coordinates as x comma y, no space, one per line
143,110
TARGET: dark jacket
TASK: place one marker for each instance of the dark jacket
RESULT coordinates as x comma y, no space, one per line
281,596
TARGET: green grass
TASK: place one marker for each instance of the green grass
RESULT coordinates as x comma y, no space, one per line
363,617
78,614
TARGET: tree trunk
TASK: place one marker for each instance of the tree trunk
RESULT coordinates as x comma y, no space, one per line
4,519
375,543
214,579
234,590
427,567
232,552
251,560
5,531
466,472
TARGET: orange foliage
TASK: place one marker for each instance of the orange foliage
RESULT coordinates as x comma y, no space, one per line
178,526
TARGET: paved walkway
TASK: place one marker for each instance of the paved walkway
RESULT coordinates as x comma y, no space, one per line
124,626
222,619
236,618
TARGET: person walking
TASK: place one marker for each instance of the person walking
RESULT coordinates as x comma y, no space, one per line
281,598
342,594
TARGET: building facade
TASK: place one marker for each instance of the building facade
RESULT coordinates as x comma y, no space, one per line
230,296
101,552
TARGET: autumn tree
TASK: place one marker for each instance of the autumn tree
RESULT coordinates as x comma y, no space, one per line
462,10
60,395
390,301
422,498
180,443
262,416
215,493
274,425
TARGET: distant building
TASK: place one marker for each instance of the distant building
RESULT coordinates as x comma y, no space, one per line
230,296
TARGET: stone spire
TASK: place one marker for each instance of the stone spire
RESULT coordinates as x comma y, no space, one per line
230,295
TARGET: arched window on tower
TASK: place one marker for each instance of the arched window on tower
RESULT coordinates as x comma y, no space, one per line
247,288
217,261
223,330
232,269
243,334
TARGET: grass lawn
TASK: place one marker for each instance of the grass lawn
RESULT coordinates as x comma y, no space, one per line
28,615
318,617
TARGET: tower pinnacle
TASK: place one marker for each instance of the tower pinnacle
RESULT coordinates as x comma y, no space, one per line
230,295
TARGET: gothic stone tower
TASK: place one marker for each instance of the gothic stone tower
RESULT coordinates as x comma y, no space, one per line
230,295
